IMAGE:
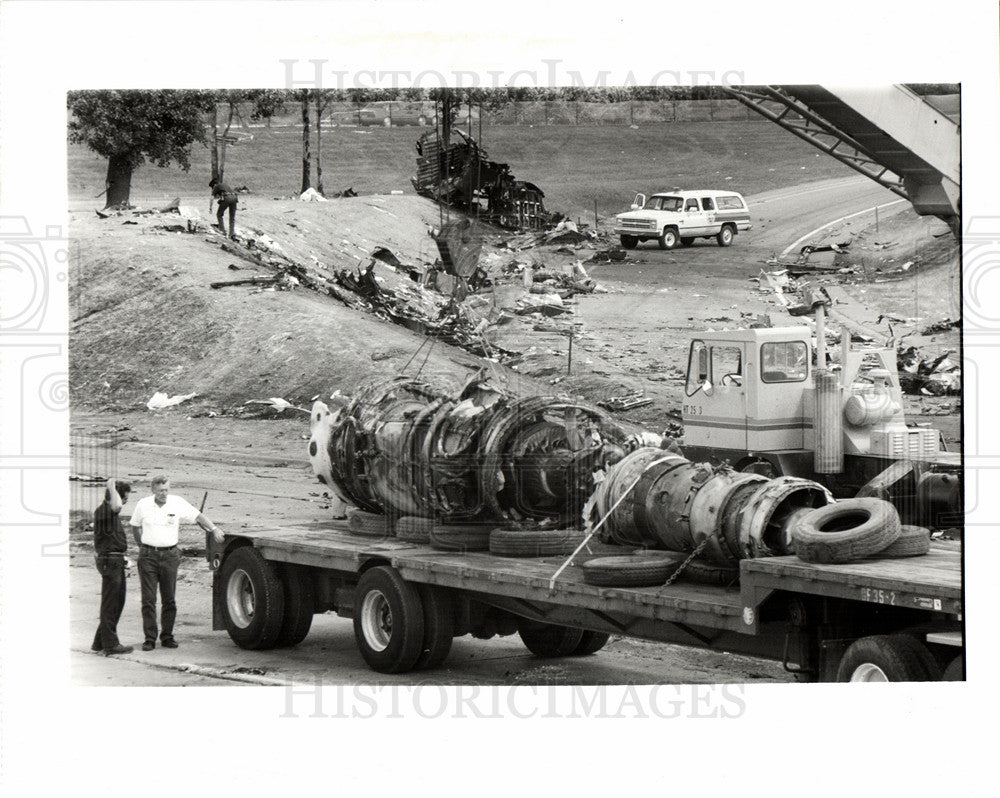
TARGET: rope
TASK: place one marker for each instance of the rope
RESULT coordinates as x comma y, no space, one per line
607,515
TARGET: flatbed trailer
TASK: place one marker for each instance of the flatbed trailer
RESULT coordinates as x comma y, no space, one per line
901,617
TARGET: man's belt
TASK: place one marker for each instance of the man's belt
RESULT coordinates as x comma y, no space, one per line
158,548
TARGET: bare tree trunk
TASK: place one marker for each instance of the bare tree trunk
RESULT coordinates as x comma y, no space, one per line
118,180
215,142
319,146
222,149
306,158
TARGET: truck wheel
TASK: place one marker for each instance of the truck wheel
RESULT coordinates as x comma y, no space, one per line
373,525
912,542
414,529
463,538
687,241
533,542
630,570
668,239
388,620
725,236
421,120
439,626
887,658
955,672
549,640
300,606
387,122
255,599
845,531
629,242
591,643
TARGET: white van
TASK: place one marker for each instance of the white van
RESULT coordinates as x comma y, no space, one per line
682,216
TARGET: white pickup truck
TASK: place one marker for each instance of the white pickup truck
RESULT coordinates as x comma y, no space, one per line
682,216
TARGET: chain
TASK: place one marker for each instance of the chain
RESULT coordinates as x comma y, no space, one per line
697,550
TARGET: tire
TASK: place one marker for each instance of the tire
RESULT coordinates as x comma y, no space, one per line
887,658
439,626
548,640
460,538
388,620
630,570
955,672
534,542
300,606
254,599
387,122
413,529
372,525
725,236
687,241
421,120
845,531
629,242
912,542
668,238
591,643
704,573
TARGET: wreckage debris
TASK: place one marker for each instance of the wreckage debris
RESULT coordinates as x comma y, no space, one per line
459,173
938,376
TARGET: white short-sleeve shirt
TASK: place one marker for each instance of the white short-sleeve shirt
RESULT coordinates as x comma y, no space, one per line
160,525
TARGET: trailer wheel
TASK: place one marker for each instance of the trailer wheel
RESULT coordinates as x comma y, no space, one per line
255,599
912,542
629,242
414,529
591,643
388,620
439,626
630,570
955,672
533,542
550,640
362,522
668,238
887,658
300,606
468,537
845,531
725,236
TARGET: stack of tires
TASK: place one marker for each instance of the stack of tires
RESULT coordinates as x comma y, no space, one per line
856,529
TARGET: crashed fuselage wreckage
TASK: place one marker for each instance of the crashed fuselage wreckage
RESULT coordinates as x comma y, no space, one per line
405,448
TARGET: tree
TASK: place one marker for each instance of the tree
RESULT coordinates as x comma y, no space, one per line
306,158
321,99
130,127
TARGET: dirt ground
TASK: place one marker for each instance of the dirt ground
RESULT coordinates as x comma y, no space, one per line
143,319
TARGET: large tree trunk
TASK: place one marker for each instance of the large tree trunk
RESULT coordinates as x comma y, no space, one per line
118,181
319,147
306,159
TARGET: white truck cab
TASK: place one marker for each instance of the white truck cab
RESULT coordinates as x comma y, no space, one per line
673,217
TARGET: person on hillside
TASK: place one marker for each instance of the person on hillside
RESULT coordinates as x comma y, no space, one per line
110,546
155,524
227,200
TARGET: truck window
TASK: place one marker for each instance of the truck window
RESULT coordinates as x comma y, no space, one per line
784,361
692,205
727,365
730,203
697,373
707,204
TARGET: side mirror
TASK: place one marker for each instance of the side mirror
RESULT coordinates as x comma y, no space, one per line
634,207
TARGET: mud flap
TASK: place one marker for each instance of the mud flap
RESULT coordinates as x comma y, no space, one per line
218,603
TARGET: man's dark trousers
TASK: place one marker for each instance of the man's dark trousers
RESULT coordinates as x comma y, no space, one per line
227,204
158,568
112,568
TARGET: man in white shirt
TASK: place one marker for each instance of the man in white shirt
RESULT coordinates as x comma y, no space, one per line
155,525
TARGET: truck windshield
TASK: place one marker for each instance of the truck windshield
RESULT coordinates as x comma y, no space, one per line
663,204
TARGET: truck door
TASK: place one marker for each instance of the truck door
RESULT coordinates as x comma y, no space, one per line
694,221
714,409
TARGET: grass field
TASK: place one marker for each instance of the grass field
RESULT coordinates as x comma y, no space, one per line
574,165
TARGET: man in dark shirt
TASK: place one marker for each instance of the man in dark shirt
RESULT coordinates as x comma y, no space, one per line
110,545
227,199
